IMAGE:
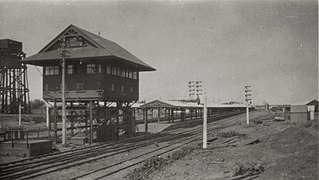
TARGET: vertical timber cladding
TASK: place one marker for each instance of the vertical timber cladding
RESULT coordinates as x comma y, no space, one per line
13,78
97,70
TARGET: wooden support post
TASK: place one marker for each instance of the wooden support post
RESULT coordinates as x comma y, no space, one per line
191,111
146,119
55,123
173,116
117,122
72,120
12,139
135,111
49,127
159,115
86,121
27,139
132,120
183,115
19,113
91,122
38,133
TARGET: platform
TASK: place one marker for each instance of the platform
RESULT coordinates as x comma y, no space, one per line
22,148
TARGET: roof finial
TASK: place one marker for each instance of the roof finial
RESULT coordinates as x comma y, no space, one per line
99,33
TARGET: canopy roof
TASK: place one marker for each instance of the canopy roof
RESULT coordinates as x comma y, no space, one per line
179,104
98,48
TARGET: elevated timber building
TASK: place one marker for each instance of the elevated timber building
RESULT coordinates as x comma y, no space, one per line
98,72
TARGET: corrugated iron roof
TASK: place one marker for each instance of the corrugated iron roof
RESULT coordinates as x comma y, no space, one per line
105,48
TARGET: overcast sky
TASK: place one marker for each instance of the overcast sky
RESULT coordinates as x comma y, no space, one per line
270,45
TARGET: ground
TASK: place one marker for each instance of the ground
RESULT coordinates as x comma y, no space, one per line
271,149
284,151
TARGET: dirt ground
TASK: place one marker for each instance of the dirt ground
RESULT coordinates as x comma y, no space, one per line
271,149
283,151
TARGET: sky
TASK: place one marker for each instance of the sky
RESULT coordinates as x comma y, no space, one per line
270,45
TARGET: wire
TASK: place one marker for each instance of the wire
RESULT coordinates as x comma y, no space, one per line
185,93
38,70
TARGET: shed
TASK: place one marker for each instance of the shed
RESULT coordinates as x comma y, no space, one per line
299,113
303,111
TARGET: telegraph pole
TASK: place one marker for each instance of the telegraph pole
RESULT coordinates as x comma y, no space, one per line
205,122
199,91
63,55
248,101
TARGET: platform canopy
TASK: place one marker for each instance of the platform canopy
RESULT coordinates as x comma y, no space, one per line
180,104
84,45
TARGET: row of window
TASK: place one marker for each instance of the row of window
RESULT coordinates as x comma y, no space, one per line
93,69
80,87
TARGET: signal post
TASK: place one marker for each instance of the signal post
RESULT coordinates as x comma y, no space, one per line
248,101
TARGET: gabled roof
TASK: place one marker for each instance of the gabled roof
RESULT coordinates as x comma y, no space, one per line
308,102
100,48
313,102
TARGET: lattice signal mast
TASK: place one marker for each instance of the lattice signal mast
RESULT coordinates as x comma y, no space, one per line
14,91
248,101
194,90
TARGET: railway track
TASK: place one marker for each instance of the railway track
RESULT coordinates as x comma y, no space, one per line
34,167
109,170
103,171
67,160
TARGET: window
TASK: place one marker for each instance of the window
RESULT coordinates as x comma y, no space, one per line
51,70
130,75
122,88
126,74
79,86
75,41
46,87
108,69
93,68
134,75
70,69
131,89
118,71
114,71
123,73
112,87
